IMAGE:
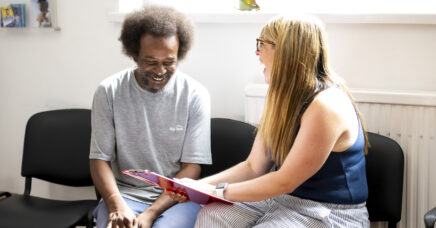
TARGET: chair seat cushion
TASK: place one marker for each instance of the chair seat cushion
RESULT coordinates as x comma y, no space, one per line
32,211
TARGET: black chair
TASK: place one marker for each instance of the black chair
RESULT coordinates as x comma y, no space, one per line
56,149
231,142
384,172
430,218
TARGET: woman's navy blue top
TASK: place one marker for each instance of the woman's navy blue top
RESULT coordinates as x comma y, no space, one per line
342,178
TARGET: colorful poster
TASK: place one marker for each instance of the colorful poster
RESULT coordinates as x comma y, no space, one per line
19,15
41,16
7,16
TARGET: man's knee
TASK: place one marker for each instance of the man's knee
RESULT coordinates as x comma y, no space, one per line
180,215
101,214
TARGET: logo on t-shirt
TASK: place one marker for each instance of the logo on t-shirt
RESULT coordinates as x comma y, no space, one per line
176,128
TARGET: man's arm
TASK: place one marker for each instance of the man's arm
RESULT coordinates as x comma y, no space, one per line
196,149
146,218
103,150
104,180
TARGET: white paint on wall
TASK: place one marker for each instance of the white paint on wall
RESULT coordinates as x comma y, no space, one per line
44,69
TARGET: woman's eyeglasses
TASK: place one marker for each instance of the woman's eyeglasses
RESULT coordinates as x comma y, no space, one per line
260,42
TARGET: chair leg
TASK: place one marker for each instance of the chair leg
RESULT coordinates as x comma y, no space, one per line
392,224
430,218
90,223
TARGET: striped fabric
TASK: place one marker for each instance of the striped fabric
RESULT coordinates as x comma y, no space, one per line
282,211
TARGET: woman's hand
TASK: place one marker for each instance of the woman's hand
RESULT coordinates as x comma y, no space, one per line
194,184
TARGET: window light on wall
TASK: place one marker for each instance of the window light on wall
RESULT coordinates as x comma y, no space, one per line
330,11
302,6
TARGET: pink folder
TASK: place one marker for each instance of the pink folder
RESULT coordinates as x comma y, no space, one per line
193,194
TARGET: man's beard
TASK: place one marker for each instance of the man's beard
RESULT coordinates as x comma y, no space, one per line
147,76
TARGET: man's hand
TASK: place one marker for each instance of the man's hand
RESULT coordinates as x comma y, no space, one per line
121,219
145,219
177,196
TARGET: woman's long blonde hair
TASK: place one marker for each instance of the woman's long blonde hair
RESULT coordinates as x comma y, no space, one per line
300,69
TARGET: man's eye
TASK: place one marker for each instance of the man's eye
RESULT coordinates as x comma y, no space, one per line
169,63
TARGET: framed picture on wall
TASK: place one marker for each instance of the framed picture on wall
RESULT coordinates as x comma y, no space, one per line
13,15
7,16
43,14
19,11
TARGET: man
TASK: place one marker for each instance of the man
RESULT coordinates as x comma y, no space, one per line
150,117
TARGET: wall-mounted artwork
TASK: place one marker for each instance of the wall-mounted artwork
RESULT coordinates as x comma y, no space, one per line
13,15
41,12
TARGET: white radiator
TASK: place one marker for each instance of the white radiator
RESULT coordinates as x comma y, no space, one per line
408,118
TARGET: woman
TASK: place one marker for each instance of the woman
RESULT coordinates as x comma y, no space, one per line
310,130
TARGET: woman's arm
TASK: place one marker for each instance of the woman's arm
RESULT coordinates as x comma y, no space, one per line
258,163
321,126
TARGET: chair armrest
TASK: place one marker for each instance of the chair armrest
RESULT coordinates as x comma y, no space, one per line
430,218
7,194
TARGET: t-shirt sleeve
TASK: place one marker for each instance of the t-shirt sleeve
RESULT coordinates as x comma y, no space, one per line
103,130
196,146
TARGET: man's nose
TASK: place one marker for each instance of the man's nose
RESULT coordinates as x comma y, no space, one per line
160,69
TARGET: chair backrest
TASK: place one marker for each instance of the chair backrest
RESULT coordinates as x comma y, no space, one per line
384,171
231,142
56,147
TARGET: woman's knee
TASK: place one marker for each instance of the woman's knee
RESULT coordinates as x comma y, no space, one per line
211,210
206,216
224,215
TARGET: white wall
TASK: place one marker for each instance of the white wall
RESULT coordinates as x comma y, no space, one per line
43,69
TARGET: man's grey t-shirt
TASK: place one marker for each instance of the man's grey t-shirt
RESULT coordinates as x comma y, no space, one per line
136,129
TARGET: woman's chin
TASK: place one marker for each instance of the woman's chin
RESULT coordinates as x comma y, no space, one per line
266,79
266,75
